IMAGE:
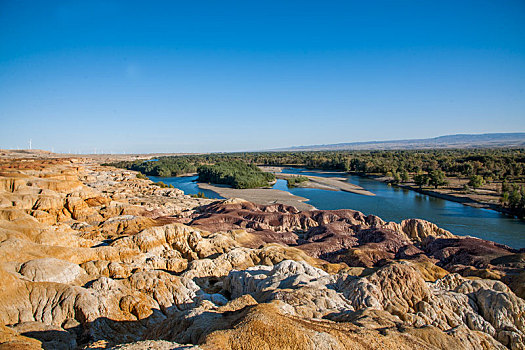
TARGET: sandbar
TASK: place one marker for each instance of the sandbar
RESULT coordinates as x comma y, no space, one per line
260,195
328,183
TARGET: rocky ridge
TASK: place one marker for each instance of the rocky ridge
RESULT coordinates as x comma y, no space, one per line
92,257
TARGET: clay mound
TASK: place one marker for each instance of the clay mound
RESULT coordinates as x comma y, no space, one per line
467,251
51,270
265,325
334,235
92,257
351,237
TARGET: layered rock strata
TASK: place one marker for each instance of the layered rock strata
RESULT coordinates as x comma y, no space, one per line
92,257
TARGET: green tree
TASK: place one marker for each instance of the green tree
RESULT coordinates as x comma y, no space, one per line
421,179
437,178
396,178
235,173
476,181
404,176
504,198
515,197
164,173
294,180
505,187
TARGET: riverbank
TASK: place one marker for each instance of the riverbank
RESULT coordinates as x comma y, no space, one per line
483,198
452,193
463,199
264,196
327,183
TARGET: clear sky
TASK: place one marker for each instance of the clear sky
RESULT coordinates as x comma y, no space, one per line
199,76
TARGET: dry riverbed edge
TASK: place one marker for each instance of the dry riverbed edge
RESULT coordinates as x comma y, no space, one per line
330,184
322,183
264,196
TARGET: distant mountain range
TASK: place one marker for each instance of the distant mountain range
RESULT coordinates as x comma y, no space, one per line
494,140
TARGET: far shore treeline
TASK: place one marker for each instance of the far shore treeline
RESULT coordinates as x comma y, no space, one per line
504,167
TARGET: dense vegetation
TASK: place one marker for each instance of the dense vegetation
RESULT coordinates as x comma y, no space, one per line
496,164
423,167
294,180
491,164
164,166
434,178
513,197
235,173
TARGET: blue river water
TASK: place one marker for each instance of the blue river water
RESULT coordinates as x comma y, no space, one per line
395,204
186,183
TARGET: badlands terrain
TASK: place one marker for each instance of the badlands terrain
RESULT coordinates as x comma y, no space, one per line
92,257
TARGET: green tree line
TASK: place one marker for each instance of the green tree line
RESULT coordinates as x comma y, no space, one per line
235,173
424,167
491,164
164,166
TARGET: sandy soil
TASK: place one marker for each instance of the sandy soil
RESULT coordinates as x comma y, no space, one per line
322,183
328,183
340,184
307,184
260,195
271,169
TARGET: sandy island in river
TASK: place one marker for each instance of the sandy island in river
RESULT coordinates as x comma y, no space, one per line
328,183
259,195
272,196
322,183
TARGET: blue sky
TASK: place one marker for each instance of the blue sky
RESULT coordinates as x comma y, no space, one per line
201,76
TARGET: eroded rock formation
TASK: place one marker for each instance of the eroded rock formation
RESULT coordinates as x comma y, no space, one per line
92,257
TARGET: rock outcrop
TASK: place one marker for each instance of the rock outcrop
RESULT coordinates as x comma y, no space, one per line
348,236
92,257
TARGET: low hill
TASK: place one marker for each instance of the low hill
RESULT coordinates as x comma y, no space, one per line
493,140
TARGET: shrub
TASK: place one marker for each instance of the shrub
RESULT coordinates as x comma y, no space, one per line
294,180
476,181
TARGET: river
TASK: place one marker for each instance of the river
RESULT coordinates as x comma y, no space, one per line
186,183
395,204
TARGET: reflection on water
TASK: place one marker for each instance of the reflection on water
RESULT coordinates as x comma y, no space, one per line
186,184
395,204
